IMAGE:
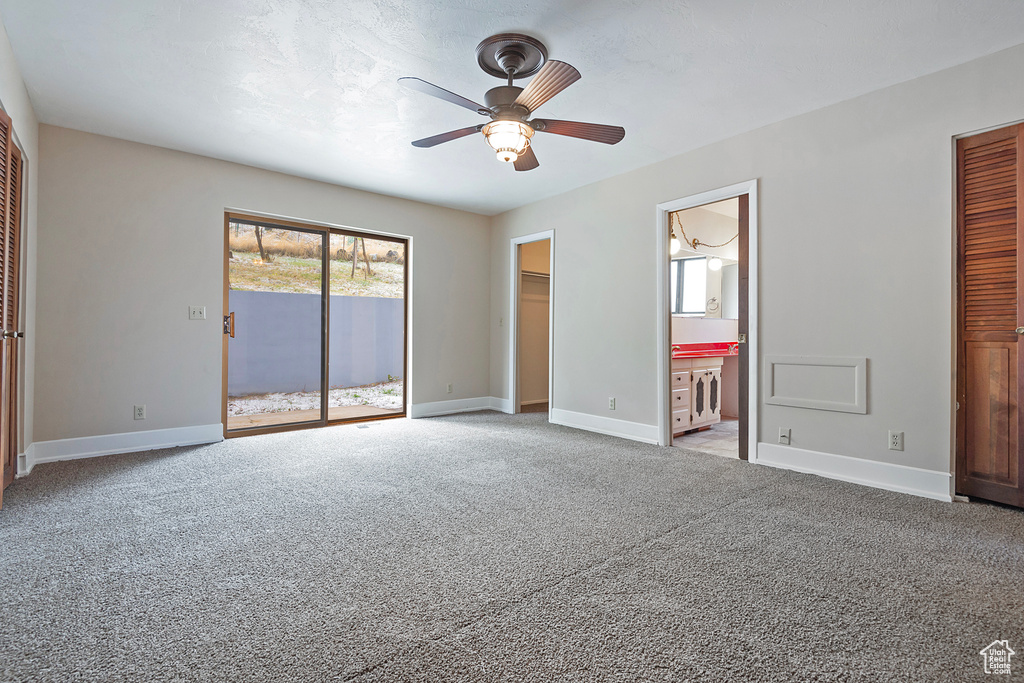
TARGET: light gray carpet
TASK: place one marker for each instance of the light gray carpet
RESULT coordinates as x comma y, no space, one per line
490,547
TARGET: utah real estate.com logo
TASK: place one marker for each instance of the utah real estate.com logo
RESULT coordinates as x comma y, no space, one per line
997,657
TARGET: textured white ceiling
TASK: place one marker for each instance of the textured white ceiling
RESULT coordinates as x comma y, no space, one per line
308,87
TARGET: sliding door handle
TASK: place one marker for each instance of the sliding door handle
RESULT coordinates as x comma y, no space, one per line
229,324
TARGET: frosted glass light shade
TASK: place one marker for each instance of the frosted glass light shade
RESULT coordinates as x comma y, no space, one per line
673,246
508,138
715,263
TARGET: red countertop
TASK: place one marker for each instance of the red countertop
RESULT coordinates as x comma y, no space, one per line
705,350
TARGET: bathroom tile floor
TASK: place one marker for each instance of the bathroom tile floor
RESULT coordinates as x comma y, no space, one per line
722,439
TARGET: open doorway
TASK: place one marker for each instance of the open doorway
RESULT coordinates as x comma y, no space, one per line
530,371
704,327
706,311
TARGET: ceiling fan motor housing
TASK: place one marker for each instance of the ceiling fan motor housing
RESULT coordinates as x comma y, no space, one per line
501,101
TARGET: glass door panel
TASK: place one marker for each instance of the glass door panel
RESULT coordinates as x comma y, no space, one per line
367,328
276,304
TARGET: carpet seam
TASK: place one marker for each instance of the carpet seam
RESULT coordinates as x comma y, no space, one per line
526,597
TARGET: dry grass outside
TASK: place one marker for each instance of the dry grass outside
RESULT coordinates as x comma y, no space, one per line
293,263
247,272
242,238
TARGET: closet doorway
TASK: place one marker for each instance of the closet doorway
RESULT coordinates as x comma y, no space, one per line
314,325
530,343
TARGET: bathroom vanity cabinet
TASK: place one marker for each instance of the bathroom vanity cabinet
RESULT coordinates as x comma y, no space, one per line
696,388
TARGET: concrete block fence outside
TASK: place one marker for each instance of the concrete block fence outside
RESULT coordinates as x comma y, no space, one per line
276,347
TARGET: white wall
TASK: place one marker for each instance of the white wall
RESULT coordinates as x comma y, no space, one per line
131,235
856,239
15,101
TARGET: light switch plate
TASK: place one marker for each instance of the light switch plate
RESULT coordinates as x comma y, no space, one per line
197,312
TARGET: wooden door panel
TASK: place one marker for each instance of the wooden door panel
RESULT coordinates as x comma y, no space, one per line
10,411
990,304
991,435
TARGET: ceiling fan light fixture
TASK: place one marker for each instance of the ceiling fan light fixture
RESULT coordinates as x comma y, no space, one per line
508,138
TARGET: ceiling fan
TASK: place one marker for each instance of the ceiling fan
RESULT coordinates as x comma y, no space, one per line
511,56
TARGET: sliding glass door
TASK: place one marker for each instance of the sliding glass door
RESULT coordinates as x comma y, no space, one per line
314,326
276,308
367,327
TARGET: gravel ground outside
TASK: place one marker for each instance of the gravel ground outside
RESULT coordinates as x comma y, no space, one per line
386,395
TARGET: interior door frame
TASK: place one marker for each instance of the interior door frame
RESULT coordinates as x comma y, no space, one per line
327,231
513,319
664,330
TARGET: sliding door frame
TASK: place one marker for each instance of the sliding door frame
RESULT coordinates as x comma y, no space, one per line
325,317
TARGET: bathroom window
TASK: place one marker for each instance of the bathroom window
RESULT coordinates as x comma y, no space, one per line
689,282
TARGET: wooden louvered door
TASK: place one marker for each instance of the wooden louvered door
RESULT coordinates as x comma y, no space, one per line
10,195
12,280
990,362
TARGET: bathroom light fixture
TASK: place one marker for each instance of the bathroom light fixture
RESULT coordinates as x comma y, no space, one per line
508,138
714,263
695,243
674,245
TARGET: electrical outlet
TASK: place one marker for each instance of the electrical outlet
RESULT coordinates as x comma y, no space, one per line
140,412
197,312
784,434
449,387
895,441
611,403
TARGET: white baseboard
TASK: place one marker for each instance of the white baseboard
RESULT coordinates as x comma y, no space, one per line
502,405
882,475
606,425
459,405
108,444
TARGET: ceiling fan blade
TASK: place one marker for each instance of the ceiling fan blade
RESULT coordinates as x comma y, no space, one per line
446,137
527,161
596,132
553,78
446,95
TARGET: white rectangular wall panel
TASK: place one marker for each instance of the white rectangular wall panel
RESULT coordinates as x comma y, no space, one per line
816,382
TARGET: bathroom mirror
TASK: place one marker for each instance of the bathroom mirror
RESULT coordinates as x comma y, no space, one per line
699,290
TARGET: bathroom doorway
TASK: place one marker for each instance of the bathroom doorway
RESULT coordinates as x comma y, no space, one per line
530,323
707,367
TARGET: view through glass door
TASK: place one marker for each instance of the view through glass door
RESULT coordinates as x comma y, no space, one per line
314,326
